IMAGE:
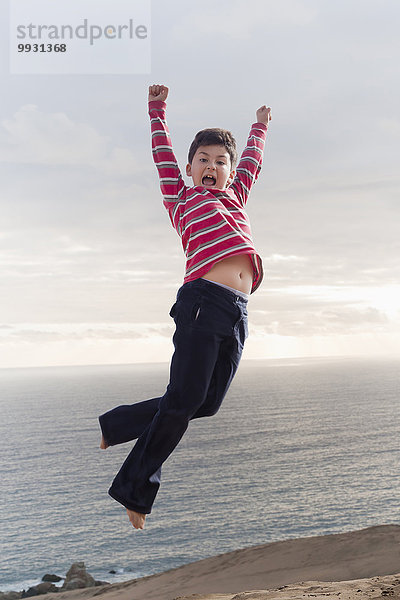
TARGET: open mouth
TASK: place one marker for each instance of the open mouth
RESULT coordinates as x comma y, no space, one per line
208,180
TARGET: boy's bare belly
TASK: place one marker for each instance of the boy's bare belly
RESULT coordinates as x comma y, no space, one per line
235,271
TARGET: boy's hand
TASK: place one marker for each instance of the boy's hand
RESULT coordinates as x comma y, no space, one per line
158,92
264,115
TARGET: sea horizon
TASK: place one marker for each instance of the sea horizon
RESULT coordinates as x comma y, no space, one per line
272,360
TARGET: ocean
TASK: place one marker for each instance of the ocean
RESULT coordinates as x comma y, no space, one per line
300,447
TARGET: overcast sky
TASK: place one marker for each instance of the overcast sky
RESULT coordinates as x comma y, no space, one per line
89,263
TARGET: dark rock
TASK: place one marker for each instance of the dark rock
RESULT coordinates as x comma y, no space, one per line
112,571
38,590
10,595
51,578
77,578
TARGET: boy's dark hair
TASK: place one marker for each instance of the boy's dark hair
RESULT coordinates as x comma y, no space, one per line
214,136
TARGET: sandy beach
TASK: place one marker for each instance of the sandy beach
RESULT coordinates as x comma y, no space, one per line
354,565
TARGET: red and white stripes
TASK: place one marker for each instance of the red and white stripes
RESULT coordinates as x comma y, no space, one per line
212,224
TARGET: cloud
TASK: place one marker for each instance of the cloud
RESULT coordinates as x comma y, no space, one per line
303,311
86,243
62,332
278,258
235,21
329,322
53,139
390,126
51,344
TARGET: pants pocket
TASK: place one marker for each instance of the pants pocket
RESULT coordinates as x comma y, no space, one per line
187,311
172,312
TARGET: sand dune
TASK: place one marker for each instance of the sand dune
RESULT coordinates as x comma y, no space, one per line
358,589
357,561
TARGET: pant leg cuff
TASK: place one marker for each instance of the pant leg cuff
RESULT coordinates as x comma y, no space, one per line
103,427
139,509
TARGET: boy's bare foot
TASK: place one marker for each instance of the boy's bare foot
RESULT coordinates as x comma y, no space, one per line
137,519
103,443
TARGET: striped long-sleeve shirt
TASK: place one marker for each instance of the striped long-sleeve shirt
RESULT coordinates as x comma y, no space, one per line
212,224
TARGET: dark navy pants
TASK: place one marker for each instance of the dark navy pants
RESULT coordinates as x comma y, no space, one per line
211,328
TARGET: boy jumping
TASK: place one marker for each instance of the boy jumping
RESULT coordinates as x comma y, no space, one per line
210,312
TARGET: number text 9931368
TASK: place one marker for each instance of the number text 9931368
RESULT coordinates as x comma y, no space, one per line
42,47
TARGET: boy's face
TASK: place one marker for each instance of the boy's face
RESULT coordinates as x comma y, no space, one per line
211,167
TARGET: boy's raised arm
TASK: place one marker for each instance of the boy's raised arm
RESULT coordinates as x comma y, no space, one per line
171,182
250,162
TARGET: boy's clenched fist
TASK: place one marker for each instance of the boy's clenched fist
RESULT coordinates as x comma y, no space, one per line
158,92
